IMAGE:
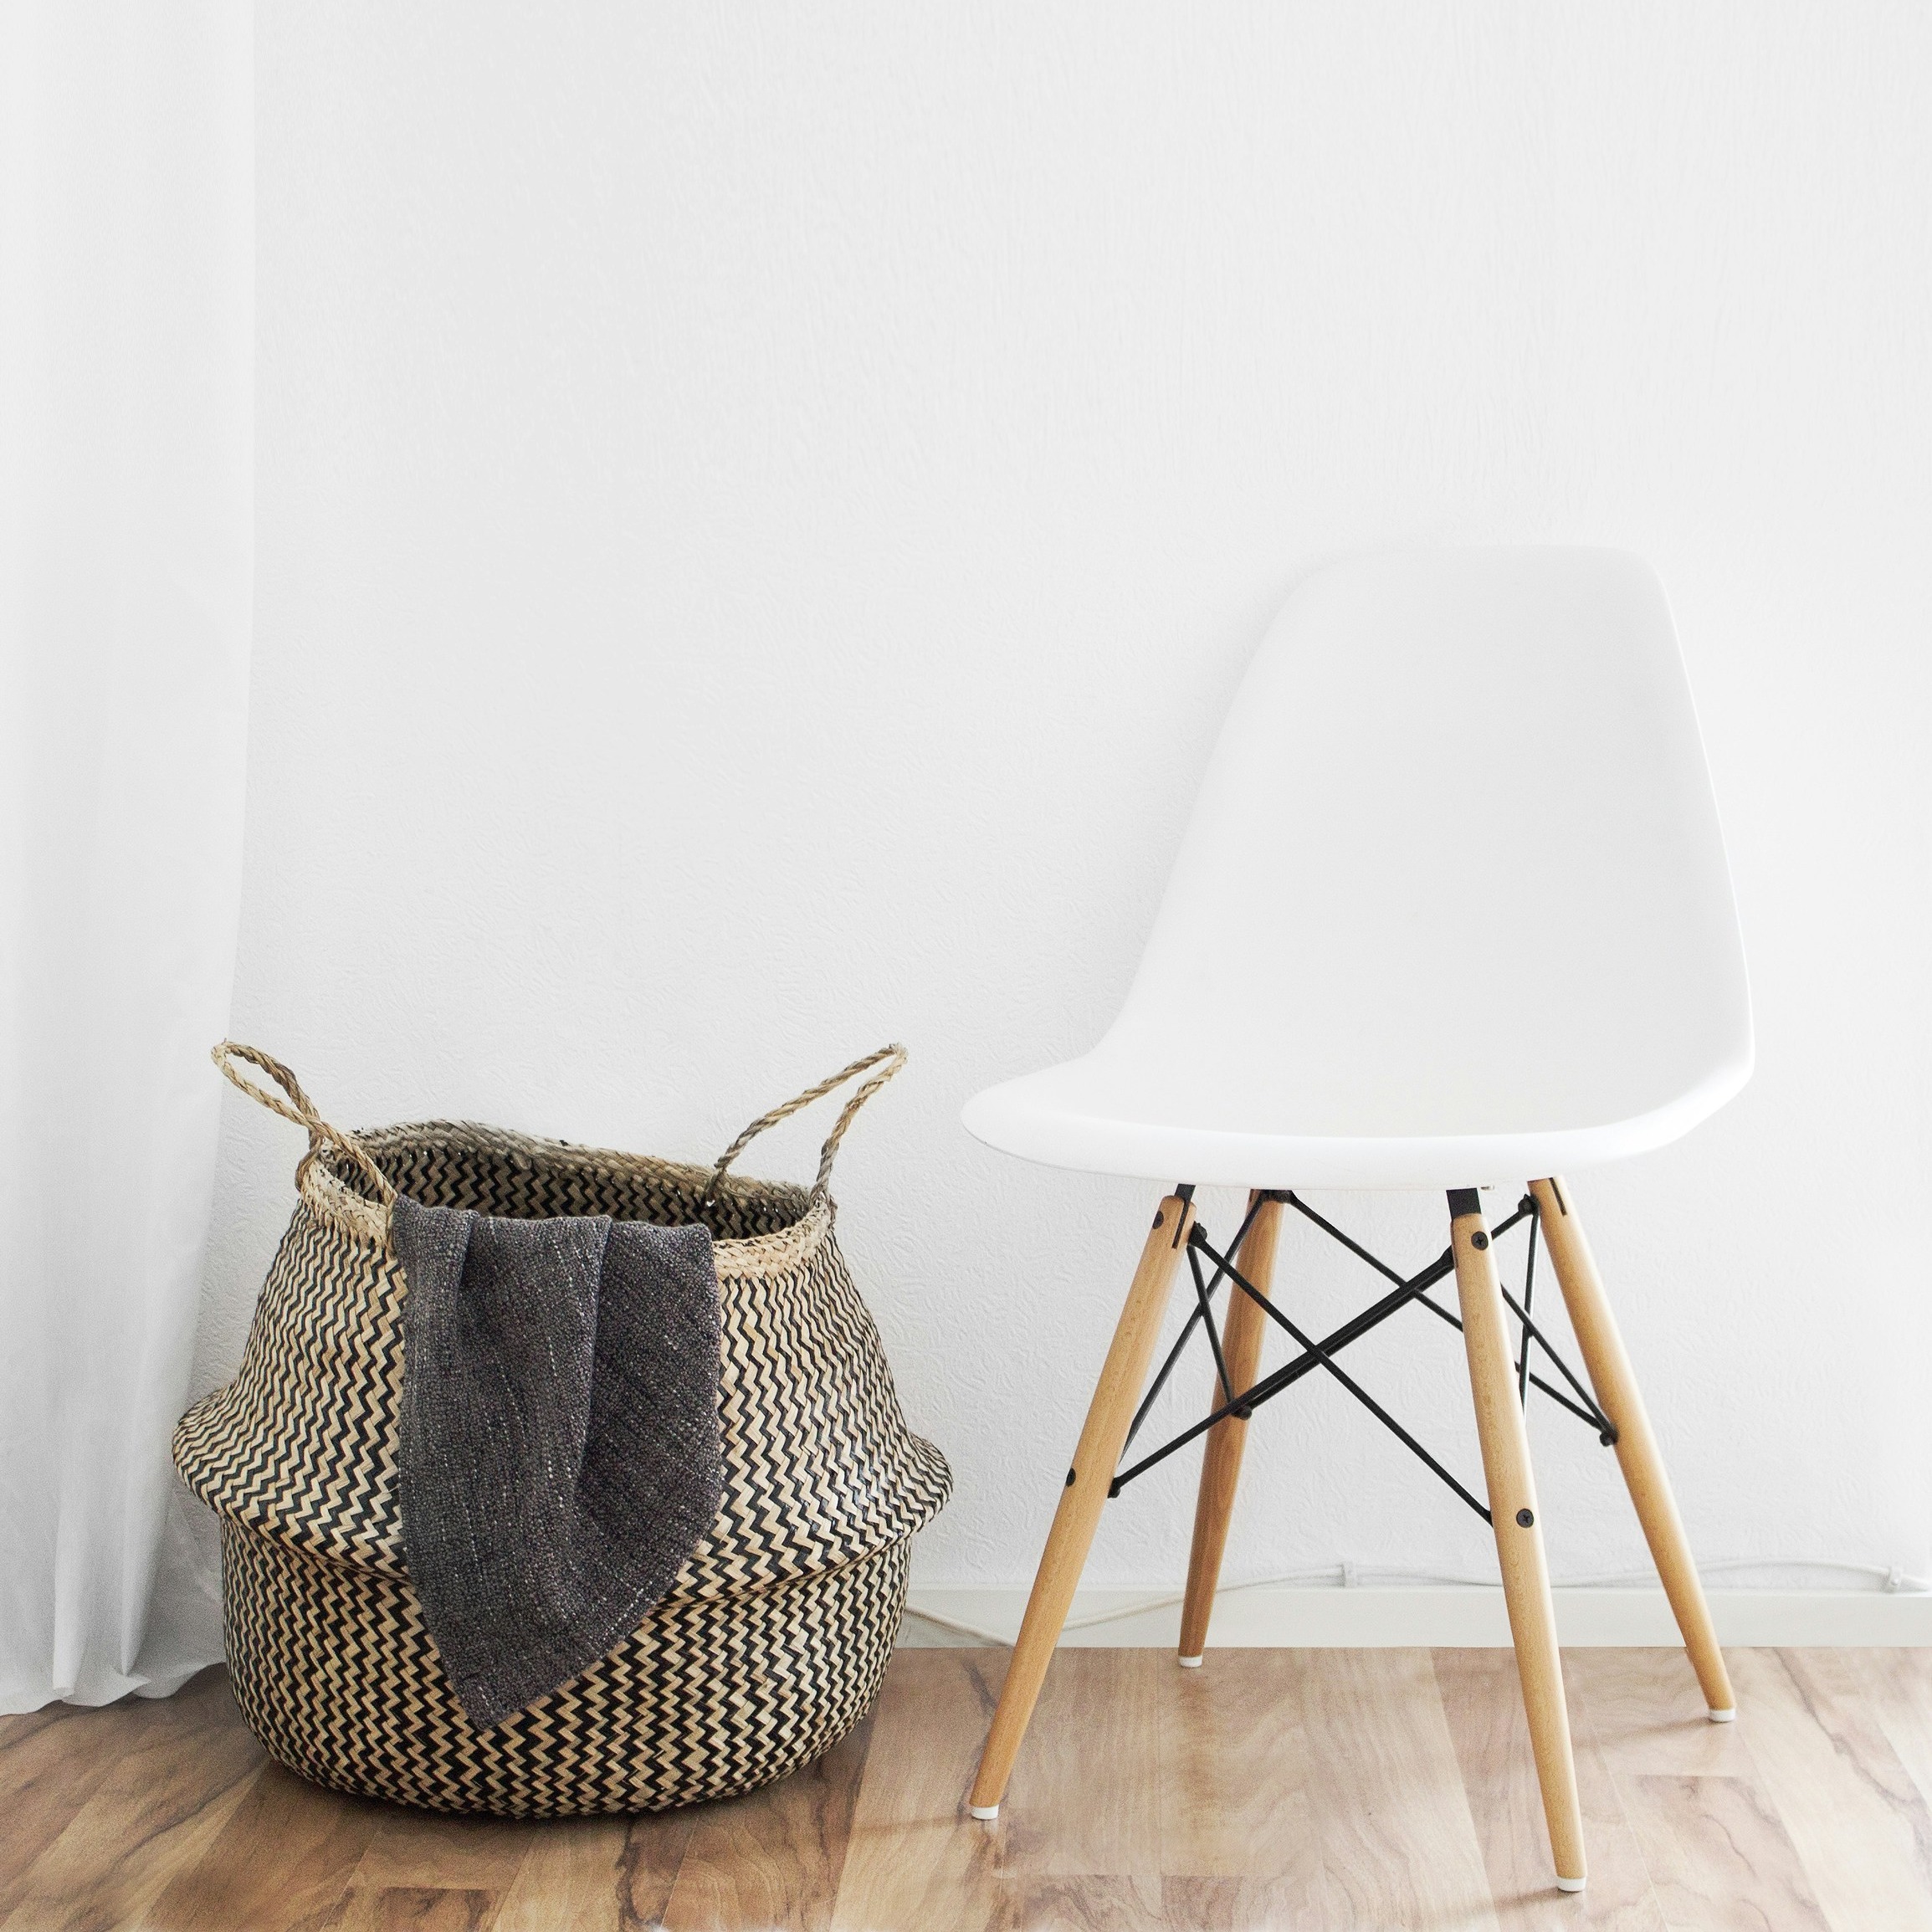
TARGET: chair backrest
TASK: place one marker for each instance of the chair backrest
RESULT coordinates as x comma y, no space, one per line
1455,868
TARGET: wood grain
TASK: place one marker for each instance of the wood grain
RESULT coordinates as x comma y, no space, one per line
1116,1395
916,1858
415,1849
1851,1809
1516,1518
1239,1905
1089,1902
576,1877
282,1862
1647,1716
1239,1781
1086,1800
773,1858
147,1820
1491,1735
653,1855
1637,1454
1896,1687
180,1771
1714,1844
1246,1326
414,1909
1719,1858
1325,1789
51,1763
1398,1844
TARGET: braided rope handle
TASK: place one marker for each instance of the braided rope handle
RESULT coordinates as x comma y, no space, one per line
301,1109
889,1059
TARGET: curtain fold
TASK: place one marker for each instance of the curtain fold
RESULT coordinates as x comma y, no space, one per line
126,430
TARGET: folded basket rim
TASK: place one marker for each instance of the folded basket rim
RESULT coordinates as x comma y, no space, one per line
330,1185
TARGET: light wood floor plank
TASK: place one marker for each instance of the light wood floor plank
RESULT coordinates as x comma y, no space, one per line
181,1771
772,1859
1713,1842
653,1855
915,1858
1720,1857
1649,1715
414,1909
1483,1703
16,1726
1398,1845
1085,1796
1897,1688
576,1877
1071,1902
1271,1789
418,1850
1859,1824
51,1763
1237,1777
1239,1905
281,1864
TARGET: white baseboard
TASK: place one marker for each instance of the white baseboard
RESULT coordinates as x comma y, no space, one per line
1298,1618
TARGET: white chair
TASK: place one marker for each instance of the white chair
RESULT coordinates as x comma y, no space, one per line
1453,907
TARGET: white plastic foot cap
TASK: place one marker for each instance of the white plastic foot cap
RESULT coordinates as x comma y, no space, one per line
989,1812
1724,1716
1570,1884
1189,1662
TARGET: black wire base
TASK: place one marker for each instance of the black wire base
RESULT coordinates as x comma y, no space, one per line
1413,1288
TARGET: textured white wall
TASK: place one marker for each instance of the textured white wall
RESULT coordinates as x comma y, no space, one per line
761,512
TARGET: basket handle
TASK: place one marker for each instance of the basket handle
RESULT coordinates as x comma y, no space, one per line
889,1059
301,1109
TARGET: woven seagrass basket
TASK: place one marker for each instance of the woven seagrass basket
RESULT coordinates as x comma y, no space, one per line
769,1645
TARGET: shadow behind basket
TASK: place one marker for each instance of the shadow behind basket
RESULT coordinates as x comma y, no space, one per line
769,1645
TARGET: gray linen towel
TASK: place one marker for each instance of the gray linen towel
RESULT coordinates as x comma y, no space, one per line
559,1438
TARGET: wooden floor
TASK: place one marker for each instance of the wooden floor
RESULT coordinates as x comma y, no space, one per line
1321,1788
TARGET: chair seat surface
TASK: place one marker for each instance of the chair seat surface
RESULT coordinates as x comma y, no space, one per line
1452,905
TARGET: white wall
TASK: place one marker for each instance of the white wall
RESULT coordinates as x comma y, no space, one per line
761,511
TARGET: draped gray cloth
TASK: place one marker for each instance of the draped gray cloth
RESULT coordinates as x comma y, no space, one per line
559,1436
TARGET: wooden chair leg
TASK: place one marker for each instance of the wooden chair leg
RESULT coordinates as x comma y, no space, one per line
1518,1538
1637,1452
1220,1466
1088,1481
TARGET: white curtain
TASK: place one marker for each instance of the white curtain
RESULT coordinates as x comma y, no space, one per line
126,276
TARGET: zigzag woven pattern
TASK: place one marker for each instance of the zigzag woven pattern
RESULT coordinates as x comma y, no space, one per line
336,1675
768,1646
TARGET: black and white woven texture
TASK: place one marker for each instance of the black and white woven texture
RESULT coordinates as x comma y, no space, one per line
769,1644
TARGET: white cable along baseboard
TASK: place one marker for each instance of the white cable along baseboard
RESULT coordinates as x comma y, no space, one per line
1354,1607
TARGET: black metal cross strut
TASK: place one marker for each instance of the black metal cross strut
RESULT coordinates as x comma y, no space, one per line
1321,1354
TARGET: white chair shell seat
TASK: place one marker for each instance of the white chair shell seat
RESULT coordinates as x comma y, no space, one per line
1061,1117
1452,906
